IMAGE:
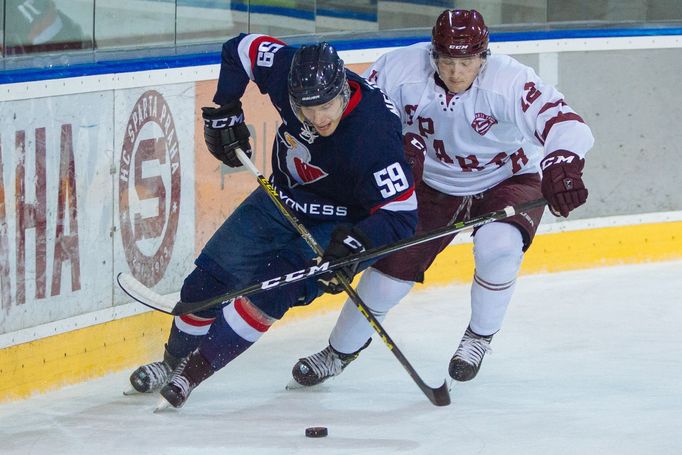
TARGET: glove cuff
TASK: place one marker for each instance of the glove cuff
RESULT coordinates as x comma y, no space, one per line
233,108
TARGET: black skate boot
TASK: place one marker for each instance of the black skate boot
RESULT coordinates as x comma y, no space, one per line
152,376
317,368
467,360
191,372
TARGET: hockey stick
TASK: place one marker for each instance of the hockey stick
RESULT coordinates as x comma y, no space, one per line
148,297
438,396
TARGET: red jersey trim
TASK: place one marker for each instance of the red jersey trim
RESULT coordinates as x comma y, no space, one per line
561,117
551,105
403,197
253,49
355,98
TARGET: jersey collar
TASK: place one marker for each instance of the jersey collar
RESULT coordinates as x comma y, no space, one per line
355,97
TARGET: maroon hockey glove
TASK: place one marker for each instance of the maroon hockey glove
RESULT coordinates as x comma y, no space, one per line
346,240
562,182
415,148
224,131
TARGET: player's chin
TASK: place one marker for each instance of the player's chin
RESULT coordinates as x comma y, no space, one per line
327,130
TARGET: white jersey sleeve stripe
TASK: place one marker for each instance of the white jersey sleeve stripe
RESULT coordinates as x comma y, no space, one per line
406,203
246,53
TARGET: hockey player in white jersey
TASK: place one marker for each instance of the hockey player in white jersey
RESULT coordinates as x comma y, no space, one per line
487,129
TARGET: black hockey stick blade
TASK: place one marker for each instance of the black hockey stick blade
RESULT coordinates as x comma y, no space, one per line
149,298
439,396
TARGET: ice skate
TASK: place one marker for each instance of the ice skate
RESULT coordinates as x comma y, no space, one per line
467,359
319,367
151,377
191,372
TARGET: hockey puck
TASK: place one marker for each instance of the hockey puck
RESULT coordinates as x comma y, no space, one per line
316,432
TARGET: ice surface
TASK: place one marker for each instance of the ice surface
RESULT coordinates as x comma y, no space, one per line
587,362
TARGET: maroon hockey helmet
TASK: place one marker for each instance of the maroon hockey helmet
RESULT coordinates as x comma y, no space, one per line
459,33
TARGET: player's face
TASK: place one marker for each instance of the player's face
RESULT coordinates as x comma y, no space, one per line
458,73
325,117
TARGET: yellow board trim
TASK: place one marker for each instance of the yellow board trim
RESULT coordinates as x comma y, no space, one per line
91,352
573,250
56,361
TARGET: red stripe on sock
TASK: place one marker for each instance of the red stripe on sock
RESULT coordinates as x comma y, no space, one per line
196,321
245,313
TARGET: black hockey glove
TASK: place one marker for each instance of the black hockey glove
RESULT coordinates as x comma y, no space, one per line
224,131
346,240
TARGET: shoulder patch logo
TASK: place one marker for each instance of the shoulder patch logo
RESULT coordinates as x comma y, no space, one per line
482,123
296,159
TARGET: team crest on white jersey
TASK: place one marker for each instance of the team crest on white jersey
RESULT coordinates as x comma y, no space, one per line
482,123
299,170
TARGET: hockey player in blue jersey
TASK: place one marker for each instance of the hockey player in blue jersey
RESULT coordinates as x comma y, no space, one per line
337,163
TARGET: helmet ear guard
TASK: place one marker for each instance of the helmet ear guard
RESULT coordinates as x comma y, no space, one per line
459,33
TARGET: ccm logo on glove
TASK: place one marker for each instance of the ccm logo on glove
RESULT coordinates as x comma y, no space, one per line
562,182
345,241
218,123
225,132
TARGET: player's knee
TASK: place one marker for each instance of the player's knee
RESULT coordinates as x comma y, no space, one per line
382,292
498,251
276,304
201,285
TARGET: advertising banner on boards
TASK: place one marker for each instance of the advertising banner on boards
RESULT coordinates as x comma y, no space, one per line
55,208
154,185
93,184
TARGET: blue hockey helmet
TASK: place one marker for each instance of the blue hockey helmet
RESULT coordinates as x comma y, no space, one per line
317,75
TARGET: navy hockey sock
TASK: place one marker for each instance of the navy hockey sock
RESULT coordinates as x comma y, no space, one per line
188,330
239,326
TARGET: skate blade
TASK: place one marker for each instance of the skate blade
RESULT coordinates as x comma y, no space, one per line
131,391
162,405
293,385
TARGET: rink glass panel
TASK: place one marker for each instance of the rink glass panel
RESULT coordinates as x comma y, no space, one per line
68,27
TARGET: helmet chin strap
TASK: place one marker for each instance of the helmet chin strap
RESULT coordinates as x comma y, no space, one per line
432,58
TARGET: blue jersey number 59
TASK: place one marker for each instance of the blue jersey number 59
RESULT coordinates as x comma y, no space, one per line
391,180
266,53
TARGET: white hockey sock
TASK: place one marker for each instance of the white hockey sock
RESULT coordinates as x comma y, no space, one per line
381,293
498,252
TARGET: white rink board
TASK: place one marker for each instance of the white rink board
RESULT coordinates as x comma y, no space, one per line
154,185
61,277
60,261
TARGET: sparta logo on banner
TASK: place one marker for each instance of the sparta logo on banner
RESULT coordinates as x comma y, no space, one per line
296,157
149,188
